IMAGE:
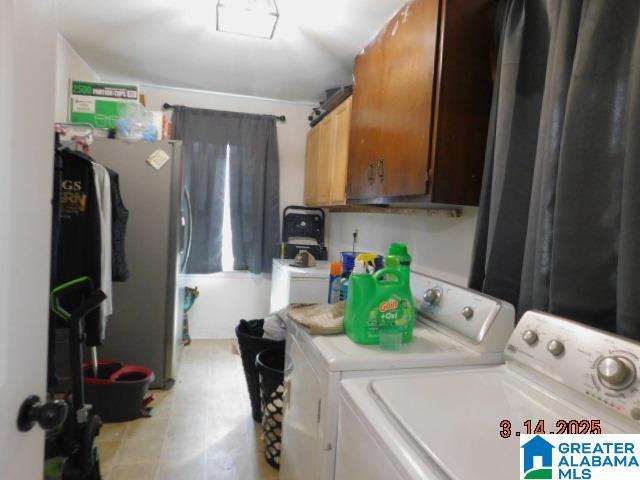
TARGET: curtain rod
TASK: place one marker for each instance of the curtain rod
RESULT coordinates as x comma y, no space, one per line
281,118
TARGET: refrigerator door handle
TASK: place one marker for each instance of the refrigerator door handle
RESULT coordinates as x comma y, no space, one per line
189,226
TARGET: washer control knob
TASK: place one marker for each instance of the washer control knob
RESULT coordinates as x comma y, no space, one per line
467,312
555,347
432,296
530,337
616,373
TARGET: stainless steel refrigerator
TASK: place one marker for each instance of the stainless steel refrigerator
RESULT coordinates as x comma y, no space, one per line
146,326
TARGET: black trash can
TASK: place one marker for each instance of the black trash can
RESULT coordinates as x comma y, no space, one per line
250,343
270,365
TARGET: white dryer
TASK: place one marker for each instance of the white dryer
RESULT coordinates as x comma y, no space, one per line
455,326
448,424
290,284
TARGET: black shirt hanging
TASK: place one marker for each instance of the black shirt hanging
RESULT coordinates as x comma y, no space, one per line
78,248
119,217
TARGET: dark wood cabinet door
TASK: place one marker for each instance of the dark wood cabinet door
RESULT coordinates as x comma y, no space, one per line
463,99
366,129
408,76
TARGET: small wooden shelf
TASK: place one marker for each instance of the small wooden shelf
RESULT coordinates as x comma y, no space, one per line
445,212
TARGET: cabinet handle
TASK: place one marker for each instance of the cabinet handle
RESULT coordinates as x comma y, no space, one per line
371,174
381,170
287,393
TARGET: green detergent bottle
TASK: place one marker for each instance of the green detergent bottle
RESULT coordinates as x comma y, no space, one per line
382,301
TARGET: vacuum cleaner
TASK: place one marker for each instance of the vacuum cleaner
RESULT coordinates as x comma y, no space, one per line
74,444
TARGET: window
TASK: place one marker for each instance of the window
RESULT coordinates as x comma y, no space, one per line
227,237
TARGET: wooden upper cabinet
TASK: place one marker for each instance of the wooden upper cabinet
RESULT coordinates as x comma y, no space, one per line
421,104
327,158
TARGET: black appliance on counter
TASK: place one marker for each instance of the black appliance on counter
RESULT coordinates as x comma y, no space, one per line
303,230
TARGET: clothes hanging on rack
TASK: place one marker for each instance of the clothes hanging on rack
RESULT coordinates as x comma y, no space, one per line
119,214
79,246
90,222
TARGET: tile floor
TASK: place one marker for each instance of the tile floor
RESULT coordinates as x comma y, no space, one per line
201,429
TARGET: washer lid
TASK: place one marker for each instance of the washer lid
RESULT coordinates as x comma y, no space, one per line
453,418
429,348
321,269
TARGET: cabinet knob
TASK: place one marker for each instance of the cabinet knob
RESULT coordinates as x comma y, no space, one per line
381,170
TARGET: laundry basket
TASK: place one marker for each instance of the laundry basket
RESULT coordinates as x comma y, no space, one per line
270,365
250,343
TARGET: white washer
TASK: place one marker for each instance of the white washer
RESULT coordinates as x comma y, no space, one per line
456,326
446,424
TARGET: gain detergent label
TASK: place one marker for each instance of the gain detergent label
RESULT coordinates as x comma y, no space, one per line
393,312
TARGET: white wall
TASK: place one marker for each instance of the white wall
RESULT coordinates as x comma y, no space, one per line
440,247
69,66
225,298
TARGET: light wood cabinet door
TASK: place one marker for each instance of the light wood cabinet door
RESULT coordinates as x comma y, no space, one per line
310,176
325,160
340,156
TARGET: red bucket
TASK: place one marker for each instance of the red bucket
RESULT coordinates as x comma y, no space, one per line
117,394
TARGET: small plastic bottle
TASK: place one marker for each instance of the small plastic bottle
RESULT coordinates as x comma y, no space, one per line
334,282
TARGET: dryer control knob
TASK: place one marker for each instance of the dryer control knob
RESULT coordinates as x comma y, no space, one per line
530,337
616,373
432,296
467,312
555,347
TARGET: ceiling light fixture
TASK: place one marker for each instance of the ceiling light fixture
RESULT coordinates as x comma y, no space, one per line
255,18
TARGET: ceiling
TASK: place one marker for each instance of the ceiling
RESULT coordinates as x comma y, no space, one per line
175,43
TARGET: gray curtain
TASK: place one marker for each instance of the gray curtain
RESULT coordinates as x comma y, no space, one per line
205,138
254,186
559,220
254,180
